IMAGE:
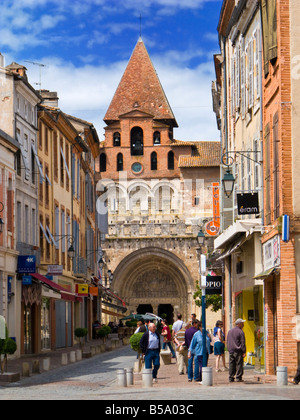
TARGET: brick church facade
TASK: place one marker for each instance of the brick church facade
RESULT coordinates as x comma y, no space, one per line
158,192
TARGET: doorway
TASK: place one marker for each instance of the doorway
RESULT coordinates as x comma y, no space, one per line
167,310
143,309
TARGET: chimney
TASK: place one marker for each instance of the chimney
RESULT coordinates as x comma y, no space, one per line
49,98
18,69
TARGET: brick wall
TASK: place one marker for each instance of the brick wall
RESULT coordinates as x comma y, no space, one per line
280,291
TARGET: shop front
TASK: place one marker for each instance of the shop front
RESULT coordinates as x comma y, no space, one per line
46,314
244,294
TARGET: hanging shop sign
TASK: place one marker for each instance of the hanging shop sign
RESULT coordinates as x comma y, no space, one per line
82,290
212,228
55,270
248,204
27,280
26,264
213,285
93,291
271,253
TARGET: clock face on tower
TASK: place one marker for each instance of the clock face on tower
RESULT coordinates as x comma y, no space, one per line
136,168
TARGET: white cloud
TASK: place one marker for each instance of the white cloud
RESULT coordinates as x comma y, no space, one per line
86,93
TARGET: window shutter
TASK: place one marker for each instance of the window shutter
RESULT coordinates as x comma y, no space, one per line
251,74
238,78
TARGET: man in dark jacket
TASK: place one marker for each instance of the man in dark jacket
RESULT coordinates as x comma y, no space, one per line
150,347
237,351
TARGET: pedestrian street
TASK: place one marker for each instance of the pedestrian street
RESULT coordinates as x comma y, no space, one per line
96,379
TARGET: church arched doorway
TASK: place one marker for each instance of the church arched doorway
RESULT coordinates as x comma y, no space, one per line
157,278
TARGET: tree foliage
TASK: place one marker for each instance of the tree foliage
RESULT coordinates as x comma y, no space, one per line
212,301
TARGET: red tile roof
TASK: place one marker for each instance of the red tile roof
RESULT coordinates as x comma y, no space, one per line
140,89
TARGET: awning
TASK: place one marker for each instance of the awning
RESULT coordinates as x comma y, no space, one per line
118,307
239,227
109,292
233,248
112,313
65,294
266,274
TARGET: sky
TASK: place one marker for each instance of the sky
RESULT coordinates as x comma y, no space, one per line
84,47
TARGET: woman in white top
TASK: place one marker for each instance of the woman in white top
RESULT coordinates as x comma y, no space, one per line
219,345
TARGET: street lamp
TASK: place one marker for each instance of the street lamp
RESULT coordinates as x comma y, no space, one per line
228,183
202,272
201,238
71,252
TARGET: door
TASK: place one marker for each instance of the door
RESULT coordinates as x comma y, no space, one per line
60,309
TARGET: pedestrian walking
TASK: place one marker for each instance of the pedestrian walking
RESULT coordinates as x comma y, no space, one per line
237,351
181,350
140,327
196,347
193,365
177,325
167,336
219,345
150,347
296,379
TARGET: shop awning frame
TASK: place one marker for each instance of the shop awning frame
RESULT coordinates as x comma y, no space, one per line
65,294
265,274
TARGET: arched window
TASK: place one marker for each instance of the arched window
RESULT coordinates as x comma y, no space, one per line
154,161
120,162
117,139
156,138
137,142
103,162
171,161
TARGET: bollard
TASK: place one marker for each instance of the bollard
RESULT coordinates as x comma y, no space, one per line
207,377
147,378
46,364
36,366
78,354
25,369
121,378
64,359
282,376
129,376
72,356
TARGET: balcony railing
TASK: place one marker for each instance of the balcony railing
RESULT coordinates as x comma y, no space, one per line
79,267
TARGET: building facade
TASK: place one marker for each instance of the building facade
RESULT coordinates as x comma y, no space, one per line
8,247
256,89
239,75
157,192
280,243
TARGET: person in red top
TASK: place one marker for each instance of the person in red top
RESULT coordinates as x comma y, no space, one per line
166,333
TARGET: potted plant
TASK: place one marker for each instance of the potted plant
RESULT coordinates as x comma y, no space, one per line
7,347
103,332
81,333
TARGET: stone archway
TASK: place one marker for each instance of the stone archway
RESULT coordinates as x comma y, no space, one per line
154,276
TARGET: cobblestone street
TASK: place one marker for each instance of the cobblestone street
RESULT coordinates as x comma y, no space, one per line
95,379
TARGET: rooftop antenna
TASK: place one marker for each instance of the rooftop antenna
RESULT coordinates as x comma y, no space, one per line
40,69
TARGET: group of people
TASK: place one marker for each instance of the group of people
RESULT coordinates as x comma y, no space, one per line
188,341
